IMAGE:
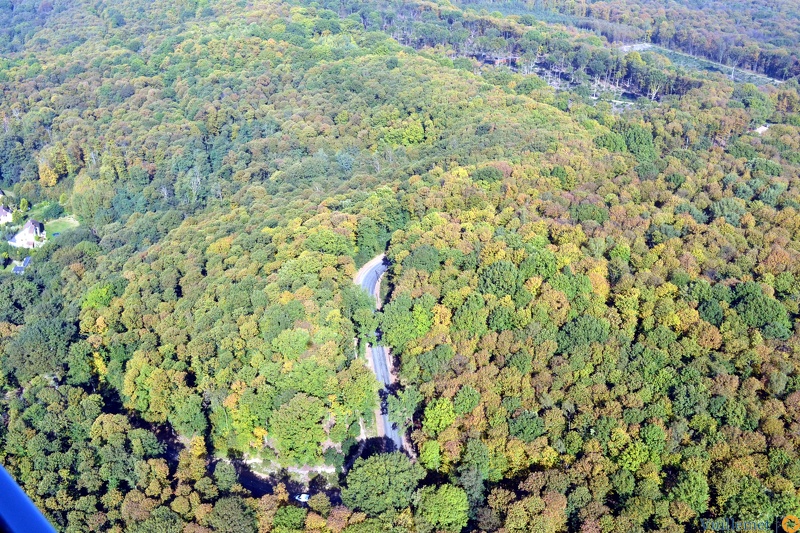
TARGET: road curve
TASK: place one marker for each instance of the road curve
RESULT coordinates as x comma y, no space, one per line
368,278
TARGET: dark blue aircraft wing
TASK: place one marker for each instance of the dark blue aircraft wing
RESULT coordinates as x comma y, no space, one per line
17,512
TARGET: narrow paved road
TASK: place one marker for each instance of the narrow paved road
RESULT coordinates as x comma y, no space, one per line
368,278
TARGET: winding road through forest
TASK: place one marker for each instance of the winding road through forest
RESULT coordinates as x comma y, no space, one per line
368,278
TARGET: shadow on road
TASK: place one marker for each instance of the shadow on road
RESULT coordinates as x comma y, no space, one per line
368,448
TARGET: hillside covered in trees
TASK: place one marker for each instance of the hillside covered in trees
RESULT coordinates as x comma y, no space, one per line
591,304
760,36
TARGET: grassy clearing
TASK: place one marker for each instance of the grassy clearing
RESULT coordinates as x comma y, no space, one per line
60,225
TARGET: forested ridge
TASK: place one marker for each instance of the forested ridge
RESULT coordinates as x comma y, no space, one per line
591,304
756,35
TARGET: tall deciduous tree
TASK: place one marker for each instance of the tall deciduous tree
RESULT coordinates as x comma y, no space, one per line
444,507
381,482
297,429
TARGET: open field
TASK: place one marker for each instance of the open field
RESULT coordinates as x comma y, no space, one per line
60,225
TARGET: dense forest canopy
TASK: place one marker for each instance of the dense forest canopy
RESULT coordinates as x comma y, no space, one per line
594,265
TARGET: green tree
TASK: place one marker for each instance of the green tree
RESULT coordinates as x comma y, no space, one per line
79,366
731,209
297,429
291,343
466,399
366,323
435,361
611,141
471,316
540,262
232,515
439,414
289,517
381,482
749,501
585,211
424,257
187,417
760,311
367,240
40,348
633,456
98,297
499,278
640,143
581,331
692,489
403,406
404,319
321,503
488,173
444,507
527,426
430,455
161,520
711,312
225,475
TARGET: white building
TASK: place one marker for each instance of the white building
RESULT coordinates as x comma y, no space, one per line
31,235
